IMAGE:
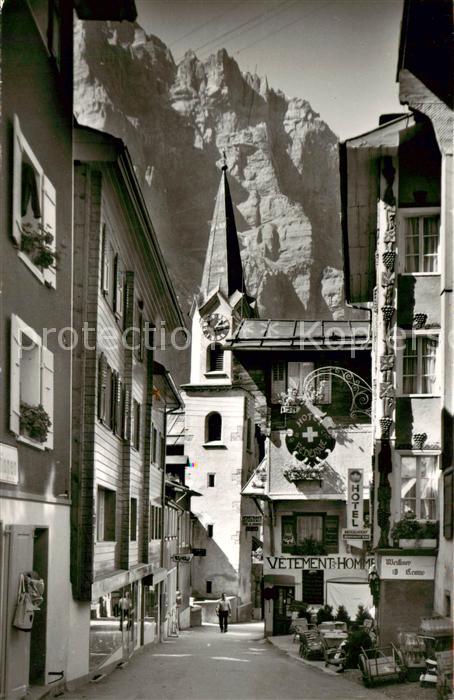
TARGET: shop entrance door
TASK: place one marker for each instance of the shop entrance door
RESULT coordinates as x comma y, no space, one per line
313,587
128,618
282,616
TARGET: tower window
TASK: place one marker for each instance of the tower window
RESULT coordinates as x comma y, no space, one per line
210,529
211,480
209,586
213,427
215,358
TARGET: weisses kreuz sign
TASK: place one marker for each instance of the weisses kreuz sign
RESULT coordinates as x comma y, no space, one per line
414,568
307,439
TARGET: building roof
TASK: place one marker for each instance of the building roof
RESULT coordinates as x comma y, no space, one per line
92,145
166,387
426,45
257,334
114,10
223,269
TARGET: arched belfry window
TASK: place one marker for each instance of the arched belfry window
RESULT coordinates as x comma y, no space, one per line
215,358
213,427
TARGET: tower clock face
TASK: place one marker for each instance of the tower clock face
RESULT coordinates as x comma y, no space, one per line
215,326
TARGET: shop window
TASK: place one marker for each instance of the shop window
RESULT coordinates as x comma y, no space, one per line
213,427
419,487
448,504
34,210
210,530
419,365
209,587
215,358
32,385
133,520
105,514
422,240
211,478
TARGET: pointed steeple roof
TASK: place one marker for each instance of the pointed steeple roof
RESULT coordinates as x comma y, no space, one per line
223,268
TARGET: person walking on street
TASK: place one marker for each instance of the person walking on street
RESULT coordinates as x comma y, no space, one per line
223,610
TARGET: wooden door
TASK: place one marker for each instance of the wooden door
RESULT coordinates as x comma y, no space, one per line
282,617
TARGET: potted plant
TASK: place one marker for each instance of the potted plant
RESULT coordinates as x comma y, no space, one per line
325,614
34,422
37,244
361,615
410,533
342,615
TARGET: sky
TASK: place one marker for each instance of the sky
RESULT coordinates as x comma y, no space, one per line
340,55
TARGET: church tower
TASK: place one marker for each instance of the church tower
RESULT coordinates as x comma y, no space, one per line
220,418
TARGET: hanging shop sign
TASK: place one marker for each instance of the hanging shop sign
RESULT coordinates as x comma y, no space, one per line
9,464
199,552
307,439
412,568
252,520
182,558
356,533
252,528
336,562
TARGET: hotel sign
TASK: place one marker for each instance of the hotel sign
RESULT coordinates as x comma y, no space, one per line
413,568
355,506
9,464
356,533
336,562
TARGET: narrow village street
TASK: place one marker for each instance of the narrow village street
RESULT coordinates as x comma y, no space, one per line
203,664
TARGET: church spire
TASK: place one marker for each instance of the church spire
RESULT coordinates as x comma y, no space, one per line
223,266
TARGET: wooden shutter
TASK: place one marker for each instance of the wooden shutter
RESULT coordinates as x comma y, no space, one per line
448,505
331,534
16,354
278,380
105,275
47,392
118,427
102,378
49,212
119,286
17,181
127,413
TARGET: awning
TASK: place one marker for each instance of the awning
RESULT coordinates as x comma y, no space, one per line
119,579
278,580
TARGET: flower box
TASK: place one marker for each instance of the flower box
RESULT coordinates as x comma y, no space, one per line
424,543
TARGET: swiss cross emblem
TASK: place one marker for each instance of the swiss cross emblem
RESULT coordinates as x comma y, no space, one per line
307,439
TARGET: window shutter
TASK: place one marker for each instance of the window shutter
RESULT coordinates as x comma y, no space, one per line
278,380
118,407
16,352
47,392
105,277
127,413
17,181
331,534
102,378
49,225
118,287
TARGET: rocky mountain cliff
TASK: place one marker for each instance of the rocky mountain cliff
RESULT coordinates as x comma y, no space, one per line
283,162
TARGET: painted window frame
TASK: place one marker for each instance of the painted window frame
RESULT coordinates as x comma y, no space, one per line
417,455
411,213
48,204
45,381
418,334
